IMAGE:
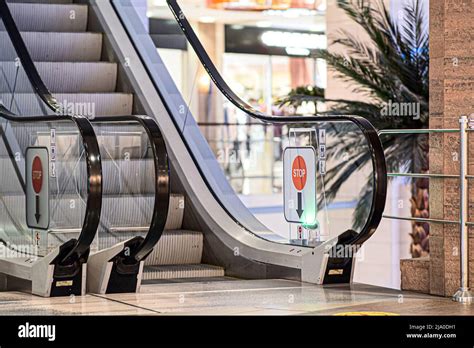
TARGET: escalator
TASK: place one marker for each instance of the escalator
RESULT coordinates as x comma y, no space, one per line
76,63
99,53
29,259
235,237
100,178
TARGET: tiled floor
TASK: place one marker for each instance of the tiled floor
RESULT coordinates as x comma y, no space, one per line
236,297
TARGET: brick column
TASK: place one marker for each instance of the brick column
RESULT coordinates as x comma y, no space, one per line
451,95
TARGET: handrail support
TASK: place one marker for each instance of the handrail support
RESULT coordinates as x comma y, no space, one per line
464,295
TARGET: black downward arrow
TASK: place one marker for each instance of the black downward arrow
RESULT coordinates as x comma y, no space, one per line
300,209
37,214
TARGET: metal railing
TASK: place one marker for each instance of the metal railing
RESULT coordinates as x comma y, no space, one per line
226,138
463,294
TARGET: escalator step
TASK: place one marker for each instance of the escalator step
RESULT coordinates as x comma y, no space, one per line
102,104
55,47
182,271
132,214
177,247
80,77
50,17
175,212
97,104
63,77
41,1
63,47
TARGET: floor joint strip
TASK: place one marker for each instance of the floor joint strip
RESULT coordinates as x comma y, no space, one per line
127,304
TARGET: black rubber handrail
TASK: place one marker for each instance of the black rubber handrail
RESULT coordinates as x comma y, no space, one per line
162,182
22,51
375,146
4,113
81,247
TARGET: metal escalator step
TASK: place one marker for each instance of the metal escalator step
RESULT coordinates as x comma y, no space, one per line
50,17
41,1
102,104
55,46
133,177
107,239
175,212
177,247
99,104
131,213
63,47
62,77
81,77
182,271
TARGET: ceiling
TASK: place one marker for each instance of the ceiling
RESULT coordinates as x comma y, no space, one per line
197,11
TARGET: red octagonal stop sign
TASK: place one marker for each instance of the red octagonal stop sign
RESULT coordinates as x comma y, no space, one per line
37,174
299,173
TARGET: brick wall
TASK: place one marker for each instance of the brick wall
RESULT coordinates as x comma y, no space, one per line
451,95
